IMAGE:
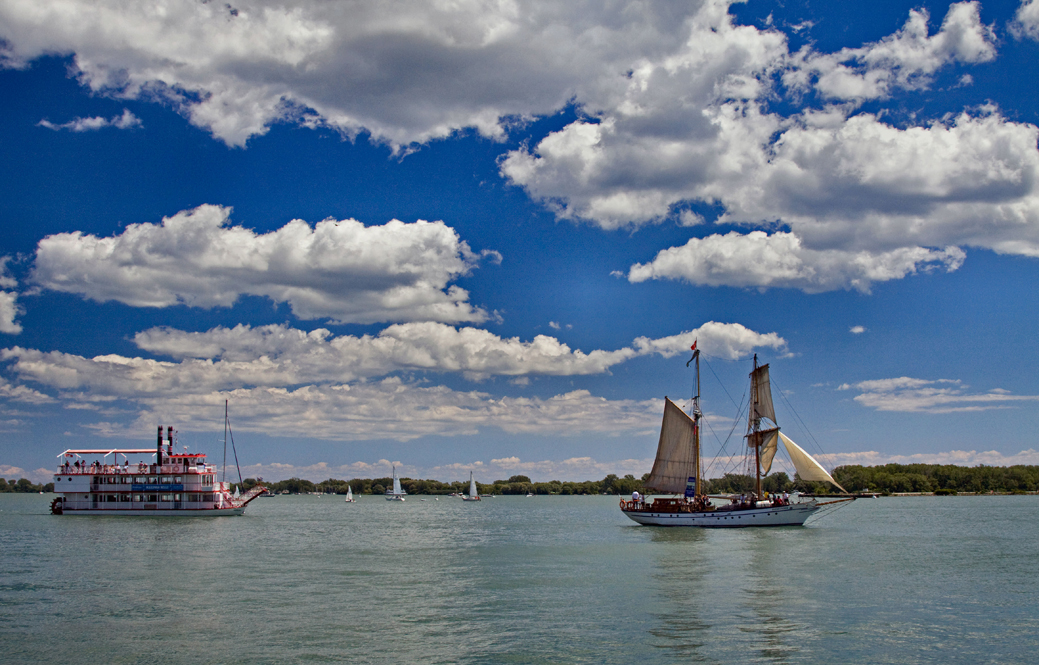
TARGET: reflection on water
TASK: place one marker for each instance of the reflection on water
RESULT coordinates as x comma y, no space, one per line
679,572
725,592
769,596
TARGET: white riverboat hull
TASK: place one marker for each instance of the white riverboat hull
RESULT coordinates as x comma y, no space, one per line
159,512
792,515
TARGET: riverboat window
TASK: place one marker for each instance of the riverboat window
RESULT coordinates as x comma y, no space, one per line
112,480
178,480
124,497
166,480
176,497
152,480
207,497
151,497
140,480
165,497
125,480
137,497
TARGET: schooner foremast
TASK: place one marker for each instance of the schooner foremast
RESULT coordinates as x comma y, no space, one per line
761,407
765,442
678,451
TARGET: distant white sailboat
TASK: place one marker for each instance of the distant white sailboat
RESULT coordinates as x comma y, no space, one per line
473,494
349,494
396,494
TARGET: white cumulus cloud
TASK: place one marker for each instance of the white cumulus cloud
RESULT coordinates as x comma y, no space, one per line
673,103
338,270
405,71
906,394
9,308
389,409
780,260
1026,20
277,356
288,382
125,121
906,59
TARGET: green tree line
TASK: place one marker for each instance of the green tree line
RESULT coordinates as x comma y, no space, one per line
24,485
885,479
938,478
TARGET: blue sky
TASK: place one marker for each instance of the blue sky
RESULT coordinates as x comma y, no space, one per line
483,235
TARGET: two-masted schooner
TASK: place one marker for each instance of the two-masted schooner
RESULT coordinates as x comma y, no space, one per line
677,469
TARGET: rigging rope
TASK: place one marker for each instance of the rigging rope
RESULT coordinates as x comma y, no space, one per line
801,423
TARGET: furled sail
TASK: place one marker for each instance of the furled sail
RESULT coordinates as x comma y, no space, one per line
768,440
761,396
806,465
676,451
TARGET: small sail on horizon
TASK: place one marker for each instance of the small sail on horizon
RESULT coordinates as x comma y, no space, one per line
396,494
472,485
677,452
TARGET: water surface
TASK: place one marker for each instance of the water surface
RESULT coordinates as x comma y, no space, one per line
519,580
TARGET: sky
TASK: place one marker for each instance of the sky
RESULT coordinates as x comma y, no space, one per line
483,235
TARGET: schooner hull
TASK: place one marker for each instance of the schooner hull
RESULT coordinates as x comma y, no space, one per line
794,515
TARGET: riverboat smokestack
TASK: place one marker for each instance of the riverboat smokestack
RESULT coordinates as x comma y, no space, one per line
158,452
169,440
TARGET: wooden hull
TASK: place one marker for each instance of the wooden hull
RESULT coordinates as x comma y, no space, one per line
794,515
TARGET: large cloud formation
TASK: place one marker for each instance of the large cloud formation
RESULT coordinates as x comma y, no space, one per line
278,356
339,269
676,106
287,381
403,71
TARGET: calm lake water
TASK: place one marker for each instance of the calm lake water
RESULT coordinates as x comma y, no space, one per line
518,580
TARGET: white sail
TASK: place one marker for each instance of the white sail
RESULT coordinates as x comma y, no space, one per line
761,395
806,465
396,483
676,451
472,485
769,440
349,493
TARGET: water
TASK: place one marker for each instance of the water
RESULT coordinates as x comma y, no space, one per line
519,580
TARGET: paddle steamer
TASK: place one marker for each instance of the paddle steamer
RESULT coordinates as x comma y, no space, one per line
174,485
